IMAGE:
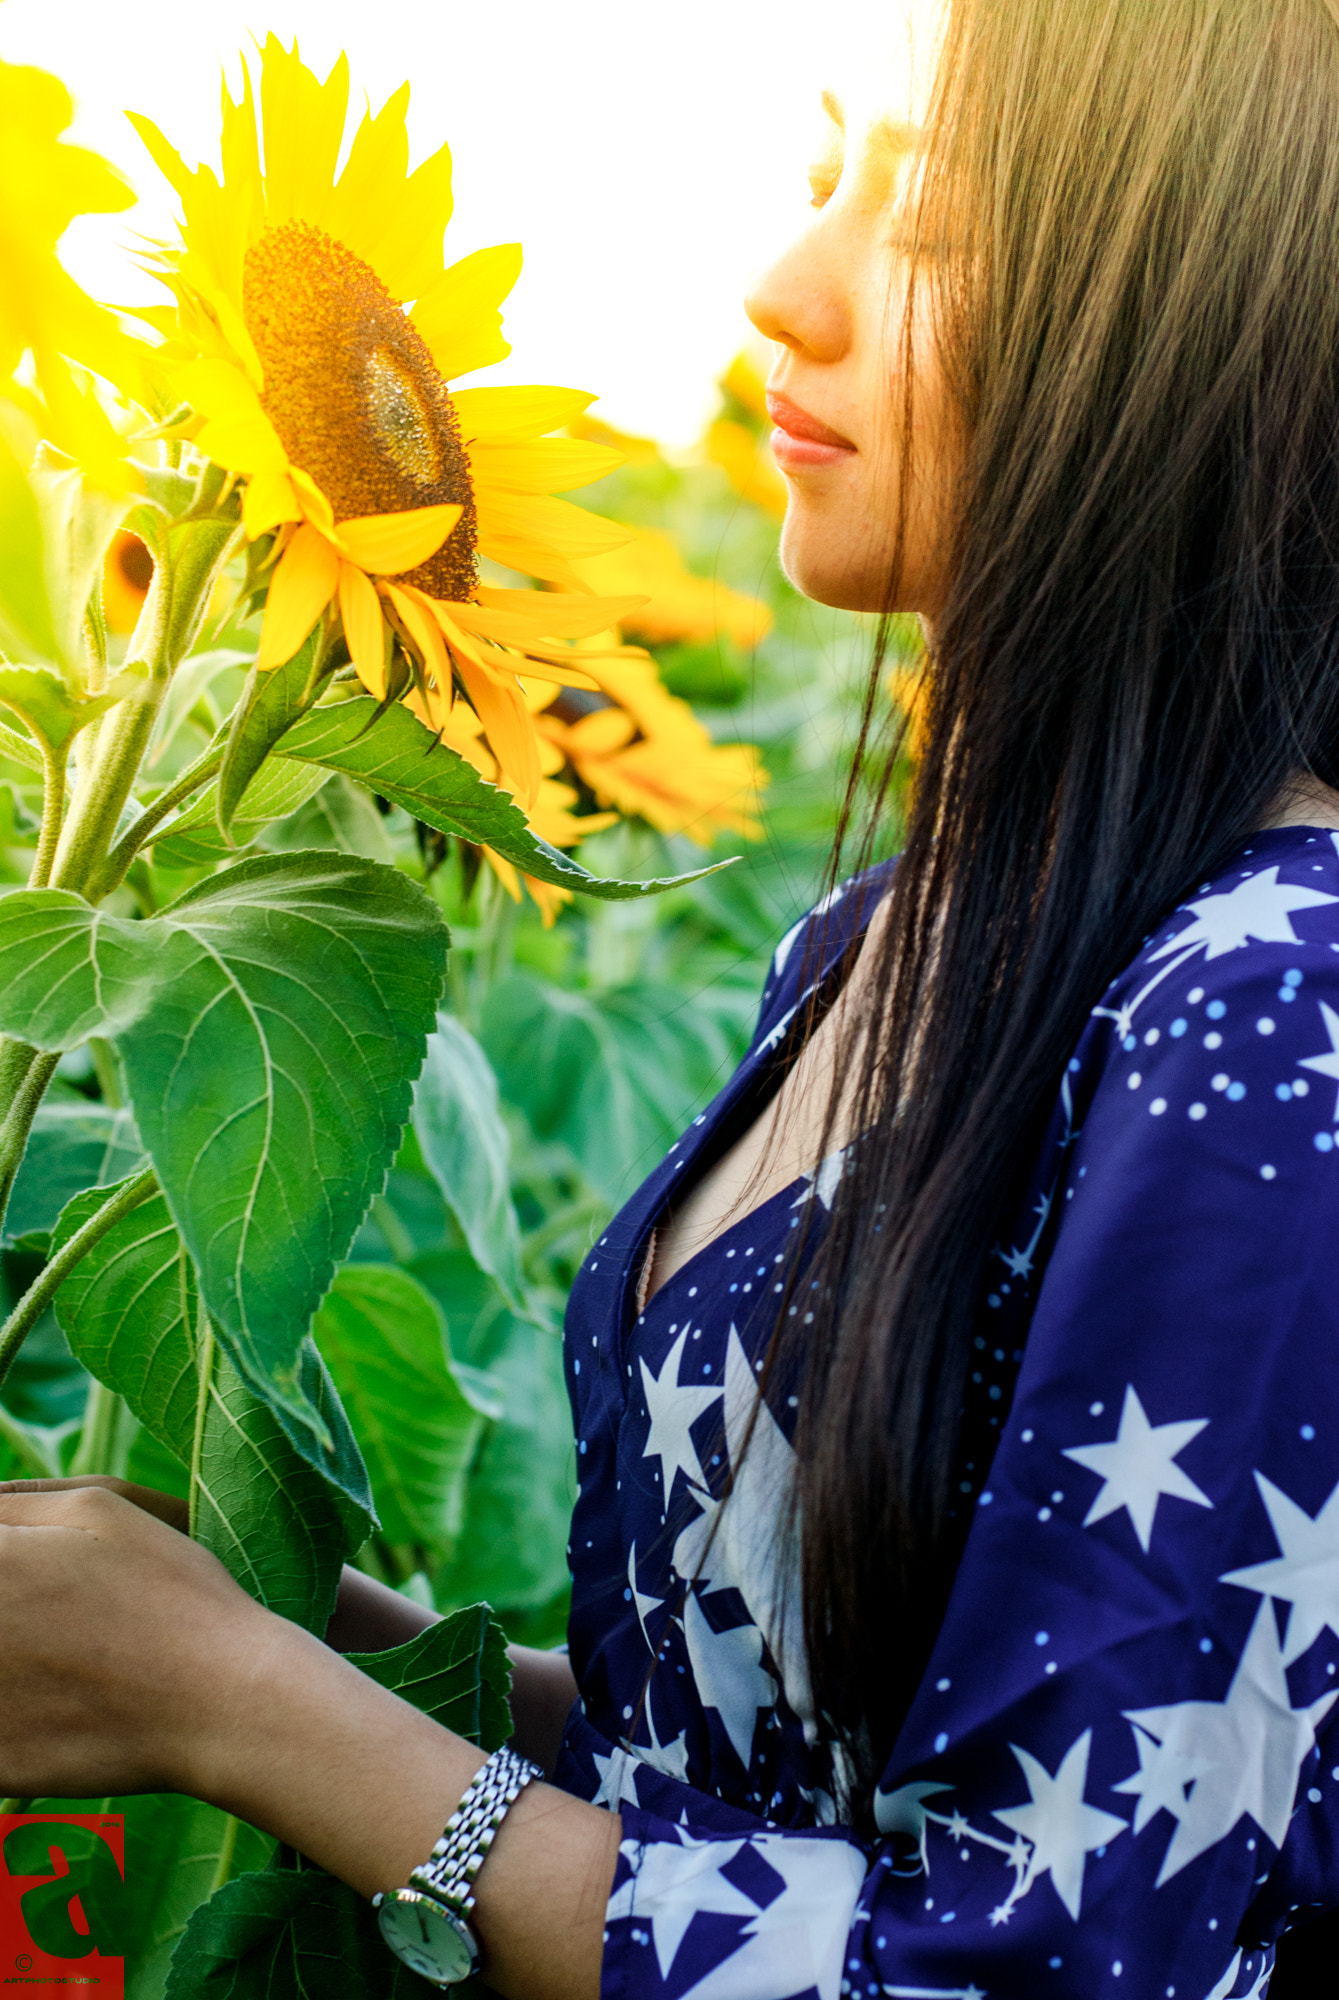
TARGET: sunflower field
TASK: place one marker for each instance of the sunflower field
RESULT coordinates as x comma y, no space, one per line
324,1058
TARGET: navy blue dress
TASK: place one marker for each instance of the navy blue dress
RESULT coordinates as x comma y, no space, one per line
1120,1774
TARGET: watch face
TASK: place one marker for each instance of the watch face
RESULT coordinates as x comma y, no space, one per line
427,1938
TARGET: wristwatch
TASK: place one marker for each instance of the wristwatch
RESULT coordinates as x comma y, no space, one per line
425,1922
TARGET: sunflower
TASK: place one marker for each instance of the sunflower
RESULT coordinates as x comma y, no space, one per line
316,332
737,440
44,184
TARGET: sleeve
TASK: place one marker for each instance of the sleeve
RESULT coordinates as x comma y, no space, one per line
1120,1775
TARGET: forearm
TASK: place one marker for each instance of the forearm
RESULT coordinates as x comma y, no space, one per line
308,1748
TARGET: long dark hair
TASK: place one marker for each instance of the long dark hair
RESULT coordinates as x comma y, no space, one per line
1135,211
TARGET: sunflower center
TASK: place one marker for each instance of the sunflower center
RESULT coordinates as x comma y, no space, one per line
351,388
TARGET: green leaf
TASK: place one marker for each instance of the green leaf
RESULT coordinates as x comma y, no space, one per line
74,1144
395,755
271,702
385,1343
279,1512
513,1551
176,1851
279,1012
608,1073
26,624
289,1934
42,701
456,1671
30,1451
341,815
192,693
279,787
466,1148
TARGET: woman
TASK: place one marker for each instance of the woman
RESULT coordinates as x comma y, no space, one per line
954,1566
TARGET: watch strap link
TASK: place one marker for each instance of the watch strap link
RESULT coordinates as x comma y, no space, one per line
450,1869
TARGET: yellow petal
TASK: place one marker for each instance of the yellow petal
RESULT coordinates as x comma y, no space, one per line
388,544
542,537
458,315
517,617
417,613
304,583
269,501
364,632
496,416
544,465
511,733
505,873
313,502
303,123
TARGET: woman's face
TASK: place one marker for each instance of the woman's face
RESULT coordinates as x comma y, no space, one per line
835,304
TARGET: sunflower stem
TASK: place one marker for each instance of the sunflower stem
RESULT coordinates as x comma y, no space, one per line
25,1073
53,815
41,1292
188,561
206,1362
113,870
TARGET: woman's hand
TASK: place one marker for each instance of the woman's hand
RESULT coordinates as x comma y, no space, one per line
113,1629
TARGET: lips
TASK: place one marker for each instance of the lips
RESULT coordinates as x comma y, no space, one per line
800,439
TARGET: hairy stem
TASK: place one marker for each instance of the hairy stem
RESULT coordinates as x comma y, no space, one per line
41,1292
113,870
25,1073
26,1448
53,817
205,1358
108,1433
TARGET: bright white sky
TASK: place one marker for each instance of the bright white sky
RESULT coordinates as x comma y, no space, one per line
649,154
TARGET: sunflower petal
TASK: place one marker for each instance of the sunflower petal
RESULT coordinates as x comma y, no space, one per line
364,632
388,544
551,614
542,537
459,314
416,611
510,730
542,465
303,123
304,582
499,416
409,234
269,501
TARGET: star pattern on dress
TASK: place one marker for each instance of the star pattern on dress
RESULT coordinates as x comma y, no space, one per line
1162,1781
1226,1986
793,1942
729,1674
674,1407
1137,1468
1328,1064
1260,908
1304,1574
1061,1829
641,1602
670,1759
1253,1743
618,1779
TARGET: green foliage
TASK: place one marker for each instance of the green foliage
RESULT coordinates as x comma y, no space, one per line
395,756
293,1932
455,1671
467,1150
270,704
279,1012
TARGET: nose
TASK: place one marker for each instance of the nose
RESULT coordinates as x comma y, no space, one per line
801,301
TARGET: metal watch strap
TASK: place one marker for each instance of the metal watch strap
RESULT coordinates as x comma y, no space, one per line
450,1869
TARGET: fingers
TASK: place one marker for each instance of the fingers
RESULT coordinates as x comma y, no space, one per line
163,1506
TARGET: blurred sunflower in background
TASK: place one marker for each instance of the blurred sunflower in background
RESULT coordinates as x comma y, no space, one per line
316,330
47,322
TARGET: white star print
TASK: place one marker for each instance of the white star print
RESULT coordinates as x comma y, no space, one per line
1229,1979
903,1811
1327,1065
1062,1829
641,1603
618,1780
1162,1780
1136,1468
729,1675
1253,1743
1259,908
740,1545
797,1942
670,1759
673,1408
1305,1573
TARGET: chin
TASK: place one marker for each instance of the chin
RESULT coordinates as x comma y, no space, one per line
821,566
